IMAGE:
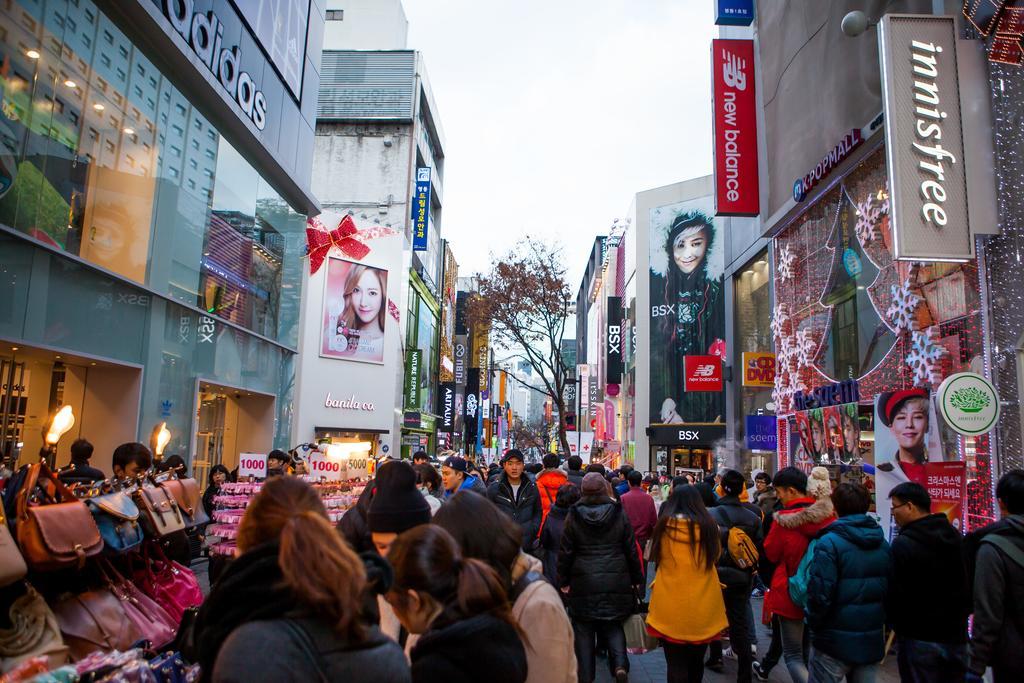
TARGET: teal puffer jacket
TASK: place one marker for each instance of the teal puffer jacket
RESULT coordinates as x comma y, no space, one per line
846,587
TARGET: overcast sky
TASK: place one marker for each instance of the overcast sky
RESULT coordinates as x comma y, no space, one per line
555,112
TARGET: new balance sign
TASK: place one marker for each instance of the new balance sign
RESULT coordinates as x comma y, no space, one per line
736,183
703,373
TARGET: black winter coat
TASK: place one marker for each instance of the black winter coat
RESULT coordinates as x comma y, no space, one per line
524,510
997,639
599,560
551,540
482,648
927,561
353,524
575,477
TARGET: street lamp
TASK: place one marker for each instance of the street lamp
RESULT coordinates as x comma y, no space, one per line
63,420
159,439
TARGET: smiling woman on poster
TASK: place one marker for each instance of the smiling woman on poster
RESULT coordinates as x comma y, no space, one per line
688,308
355,312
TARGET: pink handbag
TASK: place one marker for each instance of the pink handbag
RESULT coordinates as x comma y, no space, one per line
172,586
153,621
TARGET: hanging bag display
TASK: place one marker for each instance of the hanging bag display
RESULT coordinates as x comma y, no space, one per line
189,497
33,633
155,624
55,530
95,620
117,518
160,512
12,564
172,586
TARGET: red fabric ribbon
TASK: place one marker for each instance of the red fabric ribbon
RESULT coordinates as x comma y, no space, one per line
345,237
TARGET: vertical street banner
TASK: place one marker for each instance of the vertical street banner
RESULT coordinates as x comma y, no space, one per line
472,404
583,372
446,406
924,147
687,314
613,341
421,209
737,190
413,370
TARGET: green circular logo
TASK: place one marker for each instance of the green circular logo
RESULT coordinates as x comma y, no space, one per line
969,403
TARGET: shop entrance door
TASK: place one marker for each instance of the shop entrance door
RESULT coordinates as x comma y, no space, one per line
691,459
230,421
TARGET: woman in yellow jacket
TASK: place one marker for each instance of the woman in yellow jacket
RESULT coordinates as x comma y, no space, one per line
687,611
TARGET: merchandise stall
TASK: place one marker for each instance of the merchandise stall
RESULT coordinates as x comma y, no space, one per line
863,340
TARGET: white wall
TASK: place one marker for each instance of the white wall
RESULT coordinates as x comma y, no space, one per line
367,25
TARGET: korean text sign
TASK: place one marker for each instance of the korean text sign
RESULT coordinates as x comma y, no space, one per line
421,209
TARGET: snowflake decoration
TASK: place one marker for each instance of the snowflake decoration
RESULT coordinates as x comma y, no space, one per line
925,356
805,349
902,311
869,216
787,261
780,318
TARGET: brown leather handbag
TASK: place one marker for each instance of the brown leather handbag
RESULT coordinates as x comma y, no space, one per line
189,497
95,620
54,529
160,512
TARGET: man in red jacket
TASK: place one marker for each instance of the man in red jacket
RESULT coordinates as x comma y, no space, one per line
807,509
639,508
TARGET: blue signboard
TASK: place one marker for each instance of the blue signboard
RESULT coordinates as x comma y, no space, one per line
421,209
734,12
761,434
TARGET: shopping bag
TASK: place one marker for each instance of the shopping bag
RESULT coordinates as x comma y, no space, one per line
638,640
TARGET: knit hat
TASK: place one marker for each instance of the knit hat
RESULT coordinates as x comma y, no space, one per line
594,484
818,485
397,504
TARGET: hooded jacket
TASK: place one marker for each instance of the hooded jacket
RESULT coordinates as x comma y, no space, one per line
524,509
927,560
729,512
481,648
548,482
679,582
469,483
575,477
795,525
599,560
997,639
551,541
846,588
353,524
548,635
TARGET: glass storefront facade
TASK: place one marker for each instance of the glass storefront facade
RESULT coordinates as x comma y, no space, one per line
753,335
181,257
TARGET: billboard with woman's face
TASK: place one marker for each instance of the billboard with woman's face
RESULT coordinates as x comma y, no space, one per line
355,312
687,262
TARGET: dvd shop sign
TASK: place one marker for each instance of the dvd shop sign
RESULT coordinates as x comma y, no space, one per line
737,191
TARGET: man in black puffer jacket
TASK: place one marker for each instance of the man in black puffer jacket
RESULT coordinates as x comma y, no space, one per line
927,560
517,496
599,566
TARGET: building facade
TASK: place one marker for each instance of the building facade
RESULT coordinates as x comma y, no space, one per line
153,196
379,165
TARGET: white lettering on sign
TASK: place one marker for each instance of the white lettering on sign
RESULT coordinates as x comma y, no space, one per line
688,435
252,465
614,339
734,76
204,33
929,127
347,403
704,371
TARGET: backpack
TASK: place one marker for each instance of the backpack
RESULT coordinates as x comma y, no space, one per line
798,582
742,549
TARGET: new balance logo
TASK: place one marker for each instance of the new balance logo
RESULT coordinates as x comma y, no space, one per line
707,370
733,71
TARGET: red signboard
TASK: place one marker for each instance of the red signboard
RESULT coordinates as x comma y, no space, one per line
703,373
946,484
736,185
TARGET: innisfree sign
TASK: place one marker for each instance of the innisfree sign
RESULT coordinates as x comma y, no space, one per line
969,403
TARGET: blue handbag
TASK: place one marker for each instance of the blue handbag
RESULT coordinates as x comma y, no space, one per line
117,517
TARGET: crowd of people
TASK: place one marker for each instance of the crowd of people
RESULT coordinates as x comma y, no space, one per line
523,572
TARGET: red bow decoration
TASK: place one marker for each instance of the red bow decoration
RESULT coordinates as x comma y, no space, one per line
345,237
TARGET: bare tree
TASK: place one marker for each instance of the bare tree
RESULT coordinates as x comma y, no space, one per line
525,299
526,435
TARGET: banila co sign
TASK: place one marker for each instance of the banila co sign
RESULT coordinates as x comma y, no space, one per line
923,138
737,190
204,33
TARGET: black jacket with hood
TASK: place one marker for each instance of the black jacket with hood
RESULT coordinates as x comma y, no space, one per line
729,512
599,560
353,524
481,648
927,560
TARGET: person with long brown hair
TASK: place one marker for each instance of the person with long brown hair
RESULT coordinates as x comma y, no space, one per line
685,546
459,608
288,609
